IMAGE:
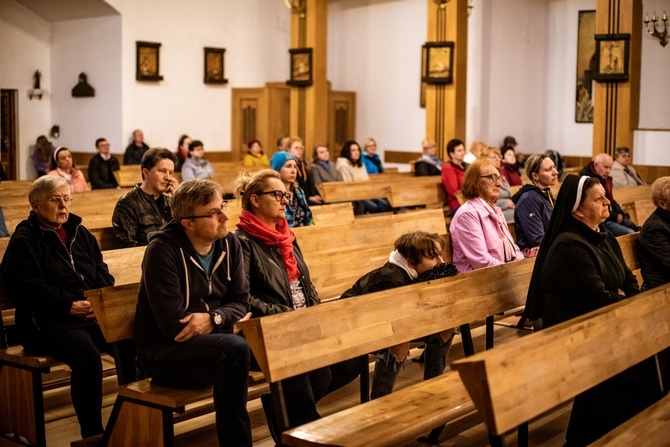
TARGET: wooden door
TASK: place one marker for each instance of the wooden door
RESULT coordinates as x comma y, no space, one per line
8,126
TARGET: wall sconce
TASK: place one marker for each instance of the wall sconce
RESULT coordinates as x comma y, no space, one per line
661,35
36,90
443,4
296,7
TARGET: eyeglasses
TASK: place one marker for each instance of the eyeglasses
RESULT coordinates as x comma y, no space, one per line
278,195
58,199
213,213
494,177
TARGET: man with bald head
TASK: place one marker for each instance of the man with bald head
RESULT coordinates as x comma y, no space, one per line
618,222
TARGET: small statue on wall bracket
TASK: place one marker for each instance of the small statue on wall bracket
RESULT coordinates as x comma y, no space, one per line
82,89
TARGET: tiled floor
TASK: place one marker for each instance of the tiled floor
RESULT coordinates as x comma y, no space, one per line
469,431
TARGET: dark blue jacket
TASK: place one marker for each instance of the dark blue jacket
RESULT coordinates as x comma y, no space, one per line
531,215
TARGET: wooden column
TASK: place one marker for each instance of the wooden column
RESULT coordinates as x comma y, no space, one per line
616,104
445,104
309,105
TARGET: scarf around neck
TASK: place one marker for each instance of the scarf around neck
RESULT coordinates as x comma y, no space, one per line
281,236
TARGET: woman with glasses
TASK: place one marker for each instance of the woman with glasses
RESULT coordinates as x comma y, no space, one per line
49,263
479,234
63,166
279,281
297,210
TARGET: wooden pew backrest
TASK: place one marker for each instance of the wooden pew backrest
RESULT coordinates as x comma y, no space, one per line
291,343
516,382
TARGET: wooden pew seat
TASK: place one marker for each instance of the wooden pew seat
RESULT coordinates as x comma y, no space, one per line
404,414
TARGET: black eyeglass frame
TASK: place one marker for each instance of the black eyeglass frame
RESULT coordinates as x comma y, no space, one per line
278,195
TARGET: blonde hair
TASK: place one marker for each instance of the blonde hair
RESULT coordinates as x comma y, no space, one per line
426,143
247,185
660,190
488,150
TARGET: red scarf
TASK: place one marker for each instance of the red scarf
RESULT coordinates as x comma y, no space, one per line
281,236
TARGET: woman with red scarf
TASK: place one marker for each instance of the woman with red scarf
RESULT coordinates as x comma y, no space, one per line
279,281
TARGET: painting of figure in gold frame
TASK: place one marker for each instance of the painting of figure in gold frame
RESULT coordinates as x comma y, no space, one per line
438,60
148,61
214,66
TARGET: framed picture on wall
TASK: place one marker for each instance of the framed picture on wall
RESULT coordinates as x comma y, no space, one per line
214,66
301,67
148,61
438,60
586,66
611,57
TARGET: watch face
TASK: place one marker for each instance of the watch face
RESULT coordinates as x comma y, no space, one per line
217,319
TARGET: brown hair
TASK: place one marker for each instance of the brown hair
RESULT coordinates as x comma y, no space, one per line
415,245
192,194
472,178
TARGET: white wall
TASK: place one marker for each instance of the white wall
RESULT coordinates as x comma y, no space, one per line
562,132
374,49
652,144
24,48
91,46
256,35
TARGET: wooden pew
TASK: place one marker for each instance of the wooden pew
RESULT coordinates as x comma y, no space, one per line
343,329
516,382
401,191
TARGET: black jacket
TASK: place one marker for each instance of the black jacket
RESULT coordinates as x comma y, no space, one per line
44,277
133,154
174,285
388,276
653,249
268,278
583,271
101,172
423,169
137,214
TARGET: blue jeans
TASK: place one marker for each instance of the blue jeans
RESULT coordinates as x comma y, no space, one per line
619,229
218,360
387,367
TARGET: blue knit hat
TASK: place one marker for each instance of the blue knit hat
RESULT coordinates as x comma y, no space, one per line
279,159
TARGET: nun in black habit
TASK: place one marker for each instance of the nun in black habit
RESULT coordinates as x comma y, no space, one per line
580,268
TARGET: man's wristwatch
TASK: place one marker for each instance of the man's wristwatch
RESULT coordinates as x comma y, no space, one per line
217,319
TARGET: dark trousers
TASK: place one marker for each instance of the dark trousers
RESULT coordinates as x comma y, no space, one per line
218,360
600,409
80,350
387,367
302,392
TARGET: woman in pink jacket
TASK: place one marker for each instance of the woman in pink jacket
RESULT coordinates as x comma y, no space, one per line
63,166
479,234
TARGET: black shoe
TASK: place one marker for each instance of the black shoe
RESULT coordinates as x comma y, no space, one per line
266,400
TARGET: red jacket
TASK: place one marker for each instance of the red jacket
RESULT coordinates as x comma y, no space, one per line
452,179
511,175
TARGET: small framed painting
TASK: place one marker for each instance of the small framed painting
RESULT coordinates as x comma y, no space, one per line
214,73
438,59
148,61
301,67
611,57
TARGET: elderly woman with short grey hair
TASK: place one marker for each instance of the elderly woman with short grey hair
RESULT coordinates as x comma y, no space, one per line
50,261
